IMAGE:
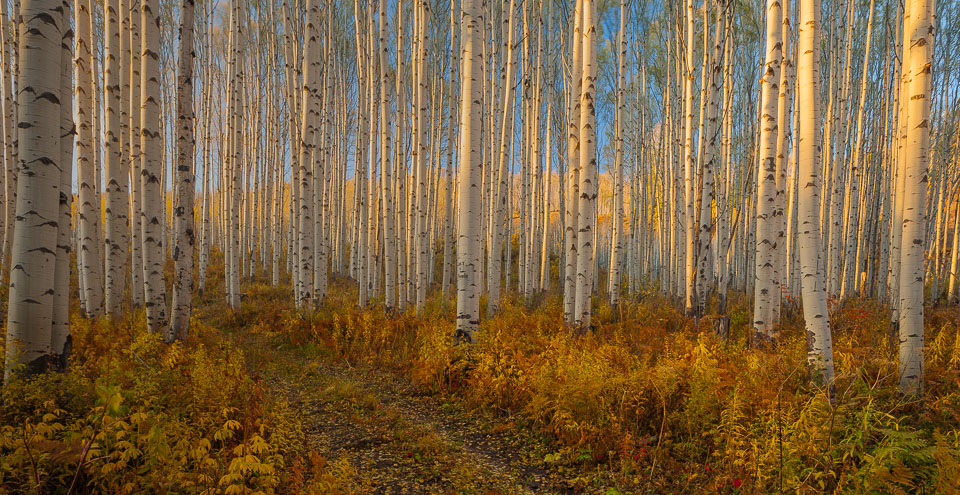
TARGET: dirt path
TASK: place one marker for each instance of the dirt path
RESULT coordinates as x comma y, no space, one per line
402,442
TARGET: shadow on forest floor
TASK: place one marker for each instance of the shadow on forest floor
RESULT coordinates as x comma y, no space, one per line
400,440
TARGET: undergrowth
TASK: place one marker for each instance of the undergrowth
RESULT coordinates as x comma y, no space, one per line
649,401
134,415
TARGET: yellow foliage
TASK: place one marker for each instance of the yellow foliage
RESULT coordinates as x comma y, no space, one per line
135,415
650,400
649,394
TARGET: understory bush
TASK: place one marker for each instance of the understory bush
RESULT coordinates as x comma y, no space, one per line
647,401
651,399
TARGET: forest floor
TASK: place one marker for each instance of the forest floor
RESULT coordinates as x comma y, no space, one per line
396,437
399,439
342,400
388,406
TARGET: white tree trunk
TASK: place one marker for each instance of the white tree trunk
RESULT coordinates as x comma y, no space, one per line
819,339
132,12
9,153
494,263
616,242
572,203
448,261
919,27
183,212
688,164
60,332
88,254
150,185
386,167
588,168
423,134
115,232
469,213
35,232
710,141
309,119
766,288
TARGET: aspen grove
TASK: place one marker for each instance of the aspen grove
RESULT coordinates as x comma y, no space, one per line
716,238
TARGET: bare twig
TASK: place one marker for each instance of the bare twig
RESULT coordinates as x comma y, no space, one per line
86,449
33,462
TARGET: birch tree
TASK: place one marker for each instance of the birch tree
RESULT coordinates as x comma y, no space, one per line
816,318
60,343
310,116
30,315
183,249
918,25
571,207
588,171
422,140
115,217
617,243
504,179
688,163
88,213
132,13
469,217
150,186
386,128
766,288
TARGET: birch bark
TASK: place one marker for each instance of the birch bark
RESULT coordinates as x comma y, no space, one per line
36,227
151,187
919,28
183,213
469,212
819,340
588,163
766,287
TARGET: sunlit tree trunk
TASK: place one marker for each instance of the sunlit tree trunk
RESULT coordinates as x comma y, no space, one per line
400,176
766,288
423,147
372,225
919,27
361,165
784,116
688,163
469,215
505,128
571,206
386,167
588,171
819,339
617,243
954,260
448,261
726,188
900,130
